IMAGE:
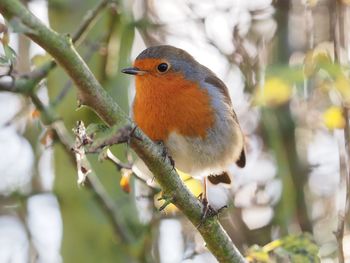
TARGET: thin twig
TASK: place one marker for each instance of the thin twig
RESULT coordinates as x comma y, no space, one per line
50,118
120,165
39,73
88,21
68,85
92,181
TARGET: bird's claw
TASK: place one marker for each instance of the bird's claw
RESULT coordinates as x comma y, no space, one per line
131,133
165,154
207,210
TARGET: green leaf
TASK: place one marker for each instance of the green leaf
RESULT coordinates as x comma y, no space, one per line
257,254
39,60
299,248
3,60
10,54
95,128
294,248
289,74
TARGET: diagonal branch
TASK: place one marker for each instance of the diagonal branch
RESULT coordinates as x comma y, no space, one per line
92,181
27,82
94,96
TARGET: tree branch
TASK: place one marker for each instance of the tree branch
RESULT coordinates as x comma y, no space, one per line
92,181
26,82
94,96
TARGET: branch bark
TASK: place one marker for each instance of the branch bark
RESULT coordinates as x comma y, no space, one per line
91,94
92,182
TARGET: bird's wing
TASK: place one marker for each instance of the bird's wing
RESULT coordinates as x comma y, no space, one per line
222,178
220,85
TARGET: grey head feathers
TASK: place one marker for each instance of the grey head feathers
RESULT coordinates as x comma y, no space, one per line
165,52
179,60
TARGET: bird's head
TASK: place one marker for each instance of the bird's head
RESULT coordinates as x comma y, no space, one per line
162,66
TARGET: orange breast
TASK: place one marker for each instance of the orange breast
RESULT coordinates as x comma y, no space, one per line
168,103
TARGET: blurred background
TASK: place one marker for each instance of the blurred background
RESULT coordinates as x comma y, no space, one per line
286,64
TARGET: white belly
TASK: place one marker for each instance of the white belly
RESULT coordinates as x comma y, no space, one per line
209,156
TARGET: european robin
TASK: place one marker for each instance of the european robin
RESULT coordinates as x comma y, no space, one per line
187,107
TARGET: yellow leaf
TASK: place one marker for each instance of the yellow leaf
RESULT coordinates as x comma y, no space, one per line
315,59
39,60
257,254
346,2
275,92
125,180
35,114
311,3
333,118
342,84
272,245
309,64
258,257
192,184
5,40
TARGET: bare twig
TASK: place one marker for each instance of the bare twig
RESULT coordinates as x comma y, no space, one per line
119,164
38,74
88,21
92,181
49,117
68,85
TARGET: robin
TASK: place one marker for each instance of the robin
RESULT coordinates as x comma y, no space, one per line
184,105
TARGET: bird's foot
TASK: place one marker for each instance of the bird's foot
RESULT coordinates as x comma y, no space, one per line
207,210
165,154
128,133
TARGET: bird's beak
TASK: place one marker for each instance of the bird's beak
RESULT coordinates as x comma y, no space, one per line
134,71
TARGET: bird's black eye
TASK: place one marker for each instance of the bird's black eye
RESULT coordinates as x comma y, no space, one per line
163,67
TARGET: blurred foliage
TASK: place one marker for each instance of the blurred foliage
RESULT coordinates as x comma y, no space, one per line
85,226
295,248
333,118
274,93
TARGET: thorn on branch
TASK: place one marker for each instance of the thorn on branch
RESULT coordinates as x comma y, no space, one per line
123,135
